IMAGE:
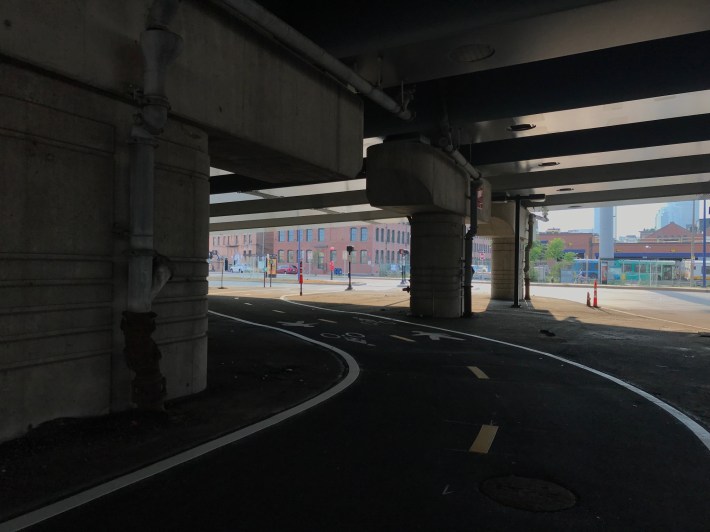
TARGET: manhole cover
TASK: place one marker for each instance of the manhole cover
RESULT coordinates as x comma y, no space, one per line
530,494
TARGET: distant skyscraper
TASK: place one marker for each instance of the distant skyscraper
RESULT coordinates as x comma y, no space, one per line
680,212
598,219
607,231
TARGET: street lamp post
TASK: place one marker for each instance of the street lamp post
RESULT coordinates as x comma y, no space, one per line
692,247
350,280
705,243
331,262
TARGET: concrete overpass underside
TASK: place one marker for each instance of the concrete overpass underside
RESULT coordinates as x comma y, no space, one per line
114,113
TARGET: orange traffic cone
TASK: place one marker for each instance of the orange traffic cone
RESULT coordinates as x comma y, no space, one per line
589,300
595,295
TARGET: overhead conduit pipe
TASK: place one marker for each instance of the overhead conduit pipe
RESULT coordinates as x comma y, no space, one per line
267,21
287,35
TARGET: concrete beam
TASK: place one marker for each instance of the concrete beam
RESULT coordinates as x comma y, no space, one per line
669,191
314,201
693,164
269,115
294,221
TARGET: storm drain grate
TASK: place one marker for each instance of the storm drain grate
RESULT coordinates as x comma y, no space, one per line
530,494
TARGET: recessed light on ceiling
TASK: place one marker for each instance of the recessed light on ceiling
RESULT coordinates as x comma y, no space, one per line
521,127
566,189
549,163
470,53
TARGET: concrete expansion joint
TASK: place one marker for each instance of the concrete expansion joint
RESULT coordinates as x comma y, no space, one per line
140,252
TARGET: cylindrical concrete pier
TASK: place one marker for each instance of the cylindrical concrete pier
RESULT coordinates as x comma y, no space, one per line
437,258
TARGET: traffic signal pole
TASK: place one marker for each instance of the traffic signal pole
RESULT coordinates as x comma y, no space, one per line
350,280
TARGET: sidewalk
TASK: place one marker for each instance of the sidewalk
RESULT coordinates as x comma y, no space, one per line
248,384
255,381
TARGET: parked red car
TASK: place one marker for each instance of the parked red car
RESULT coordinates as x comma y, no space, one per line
287,268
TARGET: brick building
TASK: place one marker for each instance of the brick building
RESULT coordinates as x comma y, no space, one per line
670,242
376,248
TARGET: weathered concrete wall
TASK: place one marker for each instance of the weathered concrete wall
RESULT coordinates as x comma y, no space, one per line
63,243
266,111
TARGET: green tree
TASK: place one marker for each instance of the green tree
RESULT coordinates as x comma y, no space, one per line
537,251
555,249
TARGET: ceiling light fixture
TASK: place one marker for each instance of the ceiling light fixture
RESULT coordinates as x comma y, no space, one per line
574,207
534,198
521,127
471,53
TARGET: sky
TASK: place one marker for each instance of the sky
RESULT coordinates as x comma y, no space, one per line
630,218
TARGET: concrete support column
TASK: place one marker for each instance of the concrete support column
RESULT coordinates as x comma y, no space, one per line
436,265
503,268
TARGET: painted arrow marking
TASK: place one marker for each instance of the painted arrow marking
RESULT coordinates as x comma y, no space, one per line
436,336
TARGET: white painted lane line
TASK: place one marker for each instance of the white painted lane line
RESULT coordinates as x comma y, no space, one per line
699,432
484,440
116,484
248,304
403,338
657,319
279,311
478,372
327,321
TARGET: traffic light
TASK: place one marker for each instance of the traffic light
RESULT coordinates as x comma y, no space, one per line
350,249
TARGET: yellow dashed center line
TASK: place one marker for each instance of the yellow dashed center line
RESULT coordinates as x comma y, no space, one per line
478,372
484,440
402,338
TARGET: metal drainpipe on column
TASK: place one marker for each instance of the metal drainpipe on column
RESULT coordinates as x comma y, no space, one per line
147,272
528,247
468,250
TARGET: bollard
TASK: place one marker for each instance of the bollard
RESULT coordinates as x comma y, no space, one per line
589,300
595,295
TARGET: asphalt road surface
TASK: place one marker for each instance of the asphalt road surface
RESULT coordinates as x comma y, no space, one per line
441,431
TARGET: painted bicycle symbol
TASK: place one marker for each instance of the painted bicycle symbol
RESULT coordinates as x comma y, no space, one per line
358,338
367,321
